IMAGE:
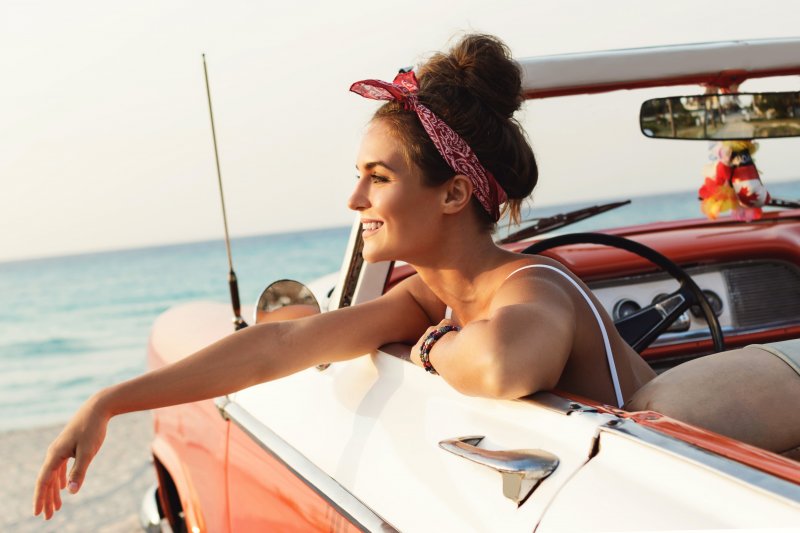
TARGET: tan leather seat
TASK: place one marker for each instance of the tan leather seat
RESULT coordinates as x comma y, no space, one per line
750,394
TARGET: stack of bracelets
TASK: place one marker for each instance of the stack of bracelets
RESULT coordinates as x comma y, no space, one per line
427,345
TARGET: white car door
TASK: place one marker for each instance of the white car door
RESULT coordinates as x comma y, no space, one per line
372,427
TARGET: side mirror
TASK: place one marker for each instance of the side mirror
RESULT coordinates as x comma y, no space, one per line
740,116
284,300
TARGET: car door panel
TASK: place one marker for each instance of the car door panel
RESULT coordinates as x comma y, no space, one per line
374,425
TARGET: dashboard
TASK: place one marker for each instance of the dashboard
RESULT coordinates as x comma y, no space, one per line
749,297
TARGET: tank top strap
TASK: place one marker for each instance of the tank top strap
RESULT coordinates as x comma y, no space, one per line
606,342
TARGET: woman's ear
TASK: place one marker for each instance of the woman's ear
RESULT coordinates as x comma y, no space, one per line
457,194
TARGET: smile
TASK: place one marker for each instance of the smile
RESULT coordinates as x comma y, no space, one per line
371,225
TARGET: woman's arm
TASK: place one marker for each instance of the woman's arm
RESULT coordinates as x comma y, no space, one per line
521,348
253,355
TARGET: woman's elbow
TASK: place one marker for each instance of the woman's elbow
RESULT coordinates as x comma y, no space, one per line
498,386
507,378
500,381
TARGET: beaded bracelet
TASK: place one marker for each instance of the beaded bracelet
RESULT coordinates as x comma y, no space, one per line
427,345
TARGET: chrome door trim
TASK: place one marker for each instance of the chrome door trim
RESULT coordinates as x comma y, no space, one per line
356,511
559,404
753,477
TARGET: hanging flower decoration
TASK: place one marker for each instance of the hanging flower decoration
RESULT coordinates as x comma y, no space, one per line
732,182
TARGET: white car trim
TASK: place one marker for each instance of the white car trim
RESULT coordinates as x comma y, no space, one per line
746,474
617,67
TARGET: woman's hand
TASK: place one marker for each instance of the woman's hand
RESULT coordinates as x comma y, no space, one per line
415,351
81,439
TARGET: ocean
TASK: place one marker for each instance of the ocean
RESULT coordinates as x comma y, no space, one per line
71,325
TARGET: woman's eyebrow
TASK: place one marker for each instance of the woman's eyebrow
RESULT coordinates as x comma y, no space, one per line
373,164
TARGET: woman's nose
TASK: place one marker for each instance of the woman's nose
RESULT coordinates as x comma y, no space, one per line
359,198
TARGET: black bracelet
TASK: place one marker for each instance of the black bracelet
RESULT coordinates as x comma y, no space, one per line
427,345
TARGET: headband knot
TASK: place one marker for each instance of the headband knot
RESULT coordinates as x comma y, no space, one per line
453,148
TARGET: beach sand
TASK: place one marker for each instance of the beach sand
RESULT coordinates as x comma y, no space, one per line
112,493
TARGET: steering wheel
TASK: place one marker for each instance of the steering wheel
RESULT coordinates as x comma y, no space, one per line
643,327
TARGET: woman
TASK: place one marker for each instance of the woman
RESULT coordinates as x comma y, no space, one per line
435,166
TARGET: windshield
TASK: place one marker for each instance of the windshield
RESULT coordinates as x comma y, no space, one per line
590,150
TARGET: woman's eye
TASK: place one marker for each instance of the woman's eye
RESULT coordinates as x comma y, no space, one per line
375,178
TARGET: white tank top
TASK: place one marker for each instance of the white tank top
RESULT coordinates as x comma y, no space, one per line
611,366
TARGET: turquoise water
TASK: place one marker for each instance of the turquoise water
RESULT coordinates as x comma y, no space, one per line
70,325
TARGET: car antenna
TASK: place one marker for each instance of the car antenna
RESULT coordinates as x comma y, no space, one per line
233,284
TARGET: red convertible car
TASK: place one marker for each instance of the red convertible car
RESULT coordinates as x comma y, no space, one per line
337,448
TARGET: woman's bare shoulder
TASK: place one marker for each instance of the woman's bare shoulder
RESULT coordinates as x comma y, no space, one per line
532,266
532,279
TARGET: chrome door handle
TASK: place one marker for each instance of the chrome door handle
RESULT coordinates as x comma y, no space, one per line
522,470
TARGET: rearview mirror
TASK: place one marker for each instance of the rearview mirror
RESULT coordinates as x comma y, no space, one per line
722,116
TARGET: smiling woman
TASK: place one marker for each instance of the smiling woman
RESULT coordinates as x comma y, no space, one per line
437,166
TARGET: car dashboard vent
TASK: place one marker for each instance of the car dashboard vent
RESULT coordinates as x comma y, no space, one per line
763,293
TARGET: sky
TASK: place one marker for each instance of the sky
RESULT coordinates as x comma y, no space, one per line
106,142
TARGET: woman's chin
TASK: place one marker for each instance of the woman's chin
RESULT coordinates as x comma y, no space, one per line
372,255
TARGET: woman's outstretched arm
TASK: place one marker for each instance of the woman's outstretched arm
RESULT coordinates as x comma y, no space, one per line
253,355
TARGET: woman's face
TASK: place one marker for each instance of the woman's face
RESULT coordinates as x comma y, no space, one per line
398,213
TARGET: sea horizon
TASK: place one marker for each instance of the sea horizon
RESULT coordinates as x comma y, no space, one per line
689,211
134,247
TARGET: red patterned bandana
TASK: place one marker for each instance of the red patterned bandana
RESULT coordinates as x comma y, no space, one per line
455,151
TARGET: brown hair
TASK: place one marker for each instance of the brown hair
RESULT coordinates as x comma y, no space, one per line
475,88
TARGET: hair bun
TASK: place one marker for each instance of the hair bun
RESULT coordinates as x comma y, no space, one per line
479,66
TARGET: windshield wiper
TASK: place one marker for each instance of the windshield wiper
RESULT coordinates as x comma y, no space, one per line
787,204
543,225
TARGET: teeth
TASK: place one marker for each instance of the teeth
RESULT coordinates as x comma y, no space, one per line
369,226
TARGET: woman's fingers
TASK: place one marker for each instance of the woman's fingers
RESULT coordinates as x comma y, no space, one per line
81,439
53,478
56,490
82,460
446,322
42,493
47,505
415,351
38,499
47,501
414,355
